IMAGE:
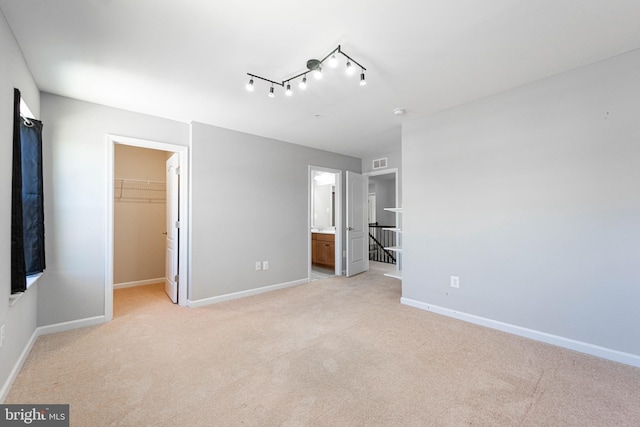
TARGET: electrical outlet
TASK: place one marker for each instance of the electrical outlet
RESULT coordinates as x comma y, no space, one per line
258,266
455,282
265,265
1,336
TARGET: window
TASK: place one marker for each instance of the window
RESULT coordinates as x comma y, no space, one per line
27,208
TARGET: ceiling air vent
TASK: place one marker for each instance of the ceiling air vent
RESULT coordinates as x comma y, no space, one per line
380,163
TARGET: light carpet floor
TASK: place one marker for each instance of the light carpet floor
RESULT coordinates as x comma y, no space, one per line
335,352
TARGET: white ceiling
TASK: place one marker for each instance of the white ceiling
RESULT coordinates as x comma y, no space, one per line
187,60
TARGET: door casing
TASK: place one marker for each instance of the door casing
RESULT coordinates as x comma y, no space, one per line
338,212
183,269
398,203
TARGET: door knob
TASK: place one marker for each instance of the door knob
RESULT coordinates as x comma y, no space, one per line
165,233
349,228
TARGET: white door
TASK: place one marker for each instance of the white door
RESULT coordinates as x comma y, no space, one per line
173,228
357,227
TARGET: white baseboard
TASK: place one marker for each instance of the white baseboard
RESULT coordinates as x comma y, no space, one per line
18,366
138,283
44,330
67,326
579,346
242,294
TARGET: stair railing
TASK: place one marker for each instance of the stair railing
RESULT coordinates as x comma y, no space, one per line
379,239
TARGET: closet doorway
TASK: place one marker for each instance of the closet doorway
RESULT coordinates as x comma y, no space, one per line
147,219
139,216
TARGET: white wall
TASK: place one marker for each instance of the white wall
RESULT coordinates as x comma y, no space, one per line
19,319
532,197
75,168
250,203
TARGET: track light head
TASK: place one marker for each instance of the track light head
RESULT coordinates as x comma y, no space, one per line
333,61
317,73
303,82
288,91
271,94
250,85
350,69
362,80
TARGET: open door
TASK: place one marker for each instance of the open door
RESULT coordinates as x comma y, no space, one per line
357,227
173,228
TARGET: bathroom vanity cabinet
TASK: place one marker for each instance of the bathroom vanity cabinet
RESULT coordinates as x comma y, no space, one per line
323,249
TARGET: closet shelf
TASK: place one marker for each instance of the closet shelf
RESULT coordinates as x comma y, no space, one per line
135,190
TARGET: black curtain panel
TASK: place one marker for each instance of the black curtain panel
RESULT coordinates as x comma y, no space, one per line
32,203
27,208
18,269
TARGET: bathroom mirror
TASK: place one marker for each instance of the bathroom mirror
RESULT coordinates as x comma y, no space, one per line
324,193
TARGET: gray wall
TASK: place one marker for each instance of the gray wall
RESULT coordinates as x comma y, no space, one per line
262,182
19,319
250,203
75,168
532,197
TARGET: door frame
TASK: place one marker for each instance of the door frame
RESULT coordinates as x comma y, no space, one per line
183,268
389,171
370,197
339,214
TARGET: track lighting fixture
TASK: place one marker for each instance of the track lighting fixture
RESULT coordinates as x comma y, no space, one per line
314,65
